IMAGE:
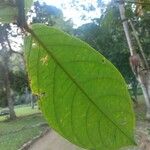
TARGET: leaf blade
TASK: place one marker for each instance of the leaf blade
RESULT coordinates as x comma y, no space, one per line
76,67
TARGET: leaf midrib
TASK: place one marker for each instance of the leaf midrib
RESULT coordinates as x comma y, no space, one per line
76,83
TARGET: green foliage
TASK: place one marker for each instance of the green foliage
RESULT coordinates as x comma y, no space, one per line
18,81
28,4
82,95
145,5
51,16
46,14
7,13
107,36
9,10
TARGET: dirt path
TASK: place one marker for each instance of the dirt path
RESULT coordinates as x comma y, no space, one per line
52,141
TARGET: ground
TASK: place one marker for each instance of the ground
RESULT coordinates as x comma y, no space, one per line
52,141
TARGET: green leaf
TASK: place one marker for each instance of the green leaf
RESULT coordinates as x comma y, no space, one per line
82,95
8,12
28,4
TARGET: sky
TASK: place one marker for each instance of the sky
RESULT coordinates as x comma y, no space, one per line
76,13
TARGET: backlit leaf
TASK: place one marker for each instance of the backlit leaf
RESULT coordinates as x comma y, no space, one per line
82,95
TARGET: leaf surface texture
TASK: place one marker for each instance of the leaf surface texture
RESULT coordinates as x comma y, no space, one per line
82,95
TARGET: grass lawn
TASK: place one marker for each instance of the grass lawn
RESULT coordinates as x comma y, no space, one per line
22,110
13,134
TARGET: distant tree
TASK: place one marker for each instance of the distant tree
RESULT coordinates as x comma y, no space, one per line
3,101
51,16
107,36
5,53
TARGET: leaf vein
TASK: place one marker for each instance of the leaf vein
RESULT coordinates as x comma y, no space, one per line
77,84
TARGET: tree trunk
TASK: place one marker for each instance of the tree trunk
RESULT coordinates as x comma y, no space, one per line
142,74
134,85
8,93
144,79
32,100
